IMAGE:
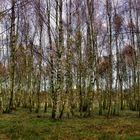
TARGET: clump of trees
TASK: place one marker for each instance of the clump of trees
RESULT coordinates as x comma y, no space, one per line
75,57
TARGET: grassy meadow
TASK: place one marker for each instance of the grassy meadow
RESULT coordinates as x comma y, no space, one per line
22,125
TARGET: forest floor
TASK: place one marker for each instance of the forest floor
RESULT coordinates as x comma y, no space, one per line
22,125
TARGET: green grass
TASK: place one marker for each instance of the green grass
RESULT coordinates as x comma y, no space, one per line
22,125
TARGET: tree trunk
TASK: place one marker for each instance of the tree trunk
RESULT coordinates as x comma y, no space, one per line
12,57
